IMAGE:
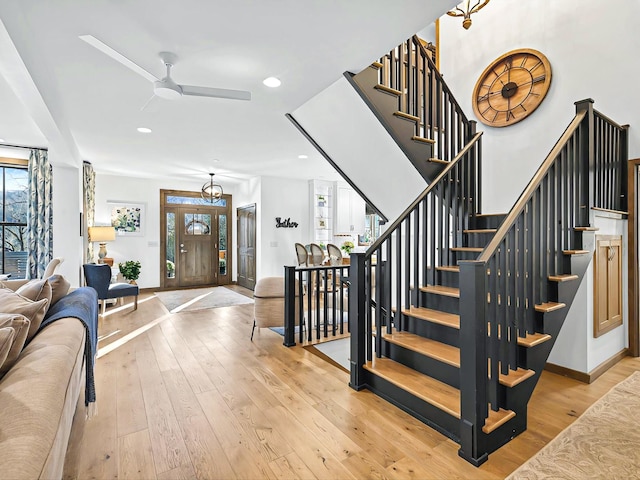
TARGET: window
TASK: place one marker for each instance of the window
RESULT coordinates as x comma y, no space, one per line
14,183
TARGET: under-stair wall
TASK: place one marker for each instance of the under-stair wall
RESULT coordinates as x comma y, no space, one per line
346,130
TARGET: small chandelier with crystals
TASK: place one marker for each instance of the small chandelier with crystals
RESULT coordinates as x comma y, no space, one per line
465,10
211,191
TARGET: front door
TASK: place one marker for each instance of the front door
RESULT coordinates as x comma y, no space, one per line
197,247
247,246
195,240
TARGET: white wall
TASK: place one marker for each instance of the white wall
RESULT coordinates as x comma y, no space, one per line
146,249
67,205
589,45
591,48
285,198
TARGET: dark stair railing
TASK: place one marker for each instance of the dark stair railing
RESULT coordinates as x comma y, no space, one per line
504,292
407,254
409,69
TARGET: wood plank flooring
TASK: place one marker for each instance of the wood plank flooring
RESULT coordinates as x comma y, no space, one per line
189,396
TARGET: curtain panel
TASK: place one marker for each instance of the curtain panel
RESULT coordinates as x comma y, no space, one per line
89,195
39,214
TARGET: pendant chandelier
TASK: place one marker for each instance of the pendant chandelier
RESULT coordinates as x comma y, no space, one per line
465,9
211,191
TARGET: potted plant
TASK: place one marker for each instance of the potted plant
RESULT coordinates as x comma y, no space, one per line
130,270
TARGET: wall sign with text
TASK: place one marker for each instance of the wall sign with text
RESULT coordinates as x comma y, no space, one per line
286,223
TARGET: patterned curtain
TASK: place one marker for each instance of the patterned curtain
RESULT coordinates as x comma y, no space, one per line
40,213
89,195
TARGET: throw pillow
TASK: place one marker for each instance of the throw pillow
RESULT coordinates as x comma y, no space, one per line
6,339
11,302
20,325
36,290
59,288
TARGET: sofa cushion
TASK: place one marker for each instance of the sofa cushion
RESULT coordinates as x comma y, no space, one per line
36,290
59,288
12,302
20,325
6,340
38,398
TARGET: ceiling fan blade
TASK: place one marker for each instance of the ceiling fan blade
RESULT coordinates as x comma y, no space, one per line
215,92
118,57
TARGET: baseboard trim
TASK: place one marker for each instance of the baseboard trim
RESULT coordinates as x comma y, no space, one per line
593,374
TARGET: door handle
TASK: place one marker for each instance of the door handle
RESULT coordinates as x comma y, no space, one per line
183,251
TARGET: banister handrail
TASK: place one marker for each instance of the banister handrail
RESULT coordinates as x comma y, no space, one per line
438,75
387,233
519,206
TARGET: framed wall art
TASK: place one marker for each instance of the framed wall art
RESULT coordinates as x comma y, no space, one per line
127,218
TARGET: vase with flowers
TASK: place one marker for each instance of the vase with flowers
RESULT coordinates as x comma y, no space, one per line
347,247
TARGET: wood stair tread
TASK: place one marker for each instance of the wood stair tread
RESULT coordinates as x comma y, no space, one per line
586,229
497,419
549,307
449,268
575,252
441,290
389,90
467,249
406,116
481,230
377,65
434,316
533,339
443,396
515,377
430,390
417,138
565,277
425,346
437,160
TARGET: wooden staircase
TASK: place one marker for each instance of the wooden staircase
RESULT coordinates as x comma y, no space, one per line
467,306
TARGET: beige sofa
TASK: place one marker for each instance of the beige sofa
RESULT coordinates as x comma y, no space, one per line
38,398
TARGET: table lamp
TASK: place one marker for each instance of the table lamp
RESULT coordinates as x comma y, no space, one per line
102,235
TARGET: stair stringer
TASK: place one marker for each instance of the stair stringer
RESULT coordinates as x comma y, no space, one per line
534,358
346,131
384,105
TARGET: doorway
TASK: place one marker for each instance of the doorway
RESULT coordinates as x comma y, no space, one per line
247,246
194,240
633,225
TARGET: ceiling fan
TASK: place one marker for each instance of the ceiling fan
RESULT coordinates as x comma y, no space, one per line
166,87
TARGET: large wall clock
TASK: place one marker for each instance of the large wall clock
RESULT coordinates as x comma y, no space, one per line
511,87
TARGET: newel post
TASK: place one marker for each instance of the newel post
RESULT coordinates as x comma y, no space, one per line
587,161
624,159
473,361
357,319
289,306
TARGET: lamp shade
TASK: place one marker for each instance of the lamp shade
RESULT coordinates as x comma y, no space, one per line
102,234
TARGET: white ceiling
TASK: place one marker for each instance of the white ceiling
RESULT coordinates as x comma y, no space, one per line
89,106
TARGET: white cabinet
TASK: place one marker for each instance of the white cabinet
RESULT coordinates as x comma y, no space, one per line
350,211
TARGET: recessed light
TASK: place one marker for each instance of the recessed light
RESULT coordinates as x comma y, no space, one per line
303,156
272,82
216,160
144,130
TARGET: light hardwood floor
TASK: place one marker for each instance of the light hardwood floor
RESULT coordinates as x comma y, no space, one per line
189,396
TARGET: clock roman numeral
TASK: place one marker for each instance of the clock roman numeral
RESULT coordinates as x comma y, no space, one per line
536,66
524,59
539,79
510,115
484,97
507,64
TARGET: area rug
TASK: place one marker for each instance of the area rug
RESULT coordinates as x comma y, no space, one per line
201,299
603,443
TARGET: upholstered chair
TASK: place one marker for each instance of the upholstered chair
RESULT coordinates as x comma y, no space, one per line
98,276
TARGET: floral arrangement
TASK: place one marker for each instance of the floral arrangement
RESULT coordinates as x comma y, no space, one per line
347,247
